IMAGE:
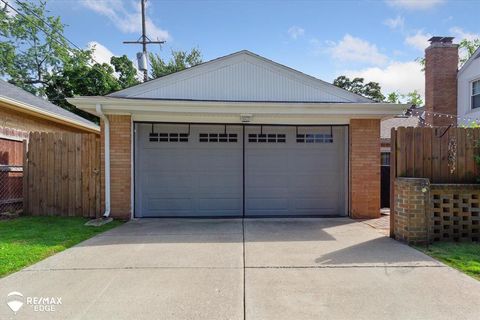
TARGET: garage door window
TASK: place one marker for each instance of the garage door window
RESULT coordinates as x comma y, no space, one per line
267,138
314,138
168,137
218,137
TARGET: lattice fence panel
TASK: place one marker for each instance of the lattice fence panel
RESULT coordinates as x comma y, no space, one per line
455,214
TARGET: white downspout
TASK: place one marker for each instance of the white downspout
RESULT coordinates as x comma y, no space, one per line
106,130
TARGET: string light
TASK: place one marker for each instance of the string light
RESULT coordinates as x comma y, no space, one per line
464,121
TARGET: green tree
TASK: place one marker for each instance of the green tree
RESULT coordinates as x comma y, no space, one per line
32,46
469,46
180,60
126,70
35,56
371,90
393,97
413,98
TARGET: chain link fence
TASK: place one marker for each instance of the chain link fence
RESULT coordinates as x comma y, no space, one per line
11,190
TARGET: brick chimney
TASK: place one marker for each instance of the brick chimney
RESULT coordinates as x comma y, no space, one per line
441,63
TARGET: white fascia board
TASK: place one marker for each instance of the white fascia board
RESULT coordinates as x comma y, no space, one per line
144,108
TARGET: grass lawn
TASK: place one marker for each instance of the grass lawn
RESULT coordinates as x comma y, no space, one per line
26,240
462,256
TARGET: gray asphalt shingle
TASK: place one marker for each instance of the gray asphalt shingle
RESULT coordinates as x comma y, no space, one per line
11,91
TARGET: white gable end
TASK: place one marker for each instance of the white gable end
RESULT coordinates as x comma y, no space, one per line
241,76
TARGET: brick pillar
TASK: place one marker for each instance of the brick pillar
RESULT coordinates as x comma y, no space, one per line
441,63
364,168
411,217
120,165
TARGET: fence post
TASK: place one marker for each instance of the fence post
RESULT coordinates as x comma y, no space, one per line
25,178
393,175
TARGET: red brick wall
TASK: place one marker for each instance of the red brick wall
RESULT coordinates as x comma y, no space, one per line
411,203
441,62
120,165
364,168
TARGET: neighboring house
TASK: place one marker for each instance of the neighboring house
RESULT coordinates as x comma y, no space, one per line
25,112
22,112
469,89
237,136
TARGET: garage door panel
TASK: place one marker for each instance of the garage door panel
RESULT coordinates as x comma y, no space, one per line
220,180
266,204
296,177
266,162
285,174
191,178
224,203
312,182
267,193
169,204
168,182
266,180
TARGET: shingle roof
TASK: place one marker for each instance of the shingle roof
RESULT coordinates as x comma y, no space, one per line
13,92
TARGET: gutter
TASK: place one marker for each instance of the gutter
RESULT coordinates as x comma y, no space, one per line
107,158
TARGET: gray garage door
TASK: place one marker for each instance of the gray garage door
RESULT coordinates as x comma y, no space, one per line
290,171
178,173
199,170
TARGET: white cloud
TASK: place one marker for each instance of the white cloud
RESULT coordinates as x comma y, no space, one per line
295,32
401,77
101,54
394,23
356,50
419,40
415,4
461,34
127,20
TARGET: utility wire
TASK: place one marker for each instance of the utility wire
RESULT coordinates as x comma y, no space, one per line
46,33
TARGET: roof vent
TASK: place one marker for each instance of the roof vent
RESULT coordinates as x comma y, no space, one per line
446,40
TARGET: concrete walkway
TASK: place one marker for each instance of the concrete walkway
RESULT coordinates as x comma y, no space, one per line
260,269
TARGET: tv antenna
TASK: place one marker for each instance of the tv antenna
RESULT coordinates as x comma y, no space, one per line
144,40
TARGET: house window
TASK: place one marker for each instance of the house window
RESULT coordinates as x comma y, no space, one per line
476,94
218,137
168,137
267,138
385,158
314,138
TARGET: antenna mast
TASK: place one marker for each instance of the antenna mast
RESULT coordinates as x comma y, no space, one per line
144,41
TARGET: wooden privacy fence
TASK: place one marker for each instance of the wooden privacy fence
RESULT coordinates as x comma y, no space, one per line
62,175
443,155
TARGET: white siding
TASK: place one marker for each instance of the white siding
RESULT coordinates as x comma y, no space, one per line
241,77
470,73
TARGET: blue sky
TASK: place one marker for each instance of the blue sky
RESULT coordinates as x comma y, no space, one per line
378,40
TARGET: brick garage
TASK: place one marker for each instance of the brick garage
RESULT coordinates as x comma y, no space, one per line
184,145
365,168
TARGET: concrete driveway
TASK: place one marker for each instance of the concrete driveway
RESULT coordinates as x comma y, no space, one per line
260,269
